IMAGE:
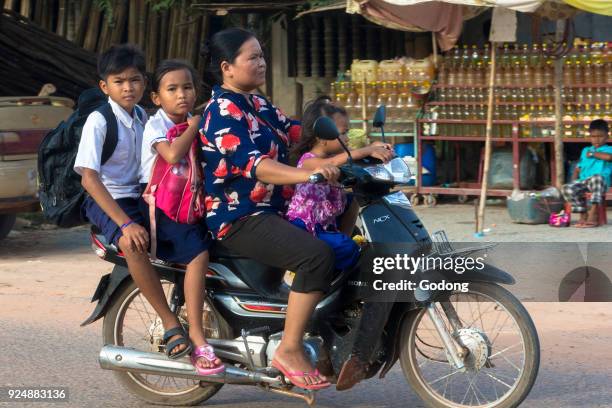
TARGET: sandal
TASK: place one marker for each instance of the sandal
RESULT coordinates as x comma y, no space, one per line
206,351
293,374
177,331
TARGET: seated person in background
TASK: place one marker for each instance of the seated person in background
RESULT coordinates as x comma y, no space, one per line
593,174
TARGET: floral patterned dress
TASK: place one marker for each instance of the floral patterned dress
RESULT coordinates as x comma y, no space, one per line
316,204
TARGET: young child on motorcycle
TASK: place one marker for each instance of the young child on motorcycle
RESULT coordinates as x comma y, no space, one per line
324,209
114,201
174,91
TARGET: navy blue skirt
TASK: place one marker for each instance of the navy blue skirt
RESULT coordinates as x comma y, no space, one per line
176,243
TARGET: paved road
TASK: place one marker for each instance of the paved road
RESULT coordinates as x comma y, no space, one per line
47,278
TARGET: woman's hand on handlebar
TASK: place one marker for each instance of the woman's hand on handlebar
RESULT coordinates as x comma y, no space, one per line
331,173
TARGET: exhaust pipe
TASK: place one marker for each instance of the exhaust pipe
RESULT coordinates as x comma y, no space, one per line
129,359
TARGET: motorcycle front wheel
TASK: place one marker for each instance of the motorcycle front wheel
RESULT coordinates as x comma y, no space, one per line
499,338
132,322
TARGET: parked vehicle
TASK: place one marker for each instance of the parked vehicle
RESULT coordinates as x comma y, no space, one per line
456,349
24,121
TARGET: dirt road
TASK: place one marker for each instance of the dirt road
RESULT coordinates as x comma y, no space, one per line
48,276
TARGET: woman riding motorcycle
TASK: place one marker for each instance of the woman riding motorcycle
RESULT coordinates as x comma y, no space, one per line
244,143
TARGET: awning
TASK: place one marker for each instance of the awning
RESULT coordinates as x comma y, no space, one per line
445,17
525,6
593,6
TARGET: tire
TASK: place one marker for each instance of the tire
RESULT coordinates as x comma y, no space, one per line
431,200
190,395
7,221
522,387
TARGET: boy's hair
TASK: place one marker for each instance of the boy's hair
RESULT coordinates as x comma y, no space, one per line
171,65
599,124
118,58
321,106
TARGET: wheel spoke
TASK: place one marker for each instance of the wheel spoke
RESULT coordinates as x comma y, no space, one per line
504,350
511,363
498,380
492,325
444,377
133,314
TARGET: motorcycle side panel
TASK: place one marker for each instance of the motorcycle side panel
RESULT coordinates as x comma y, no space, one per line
393,224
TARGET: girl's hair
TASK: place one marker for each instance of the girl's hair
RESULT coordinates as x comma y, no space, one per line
173,65
322,106
224,46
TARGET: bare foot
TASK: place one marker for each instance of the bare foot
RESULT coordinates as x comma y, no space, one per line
294,360
592,216
582,220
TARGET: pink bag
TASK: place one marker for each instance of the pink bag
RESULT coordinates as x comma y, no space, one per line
561,219
176,189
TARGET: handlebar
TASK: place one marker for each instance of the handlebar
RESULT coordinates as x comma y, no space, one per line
316,178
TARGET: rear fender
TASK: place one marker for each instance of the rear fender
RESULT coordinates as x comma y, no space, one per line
107,287
111,283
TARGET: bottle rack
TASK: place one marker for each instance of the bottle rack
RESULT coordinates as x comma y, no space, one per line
518,143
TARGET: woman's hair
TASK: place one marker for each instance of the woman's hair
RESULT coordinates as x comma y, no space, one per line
224,46
321,106
173,65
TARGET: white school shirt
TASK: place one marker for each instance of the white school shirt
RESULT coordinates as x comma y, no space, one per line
120,173
154,132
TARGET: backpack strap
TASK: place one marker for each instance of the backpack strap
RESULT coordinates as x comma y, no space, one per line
139,112
112,132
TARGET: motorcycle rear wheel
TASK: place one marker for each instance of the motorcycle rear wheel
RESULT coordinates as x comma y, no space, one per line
427,369
121,327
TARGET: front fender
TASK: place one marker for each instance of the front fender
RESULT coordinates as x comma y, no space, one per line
489,273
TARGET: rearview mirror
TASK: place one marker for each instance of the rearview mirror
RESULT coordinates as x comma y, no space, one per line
380,116
325,128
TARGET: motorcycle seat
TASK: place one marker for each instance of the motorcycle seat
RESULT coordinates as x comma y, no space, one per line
265,280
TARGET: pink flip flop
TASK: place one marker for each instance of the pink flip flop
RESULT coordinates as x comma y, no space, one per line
208,353
293,374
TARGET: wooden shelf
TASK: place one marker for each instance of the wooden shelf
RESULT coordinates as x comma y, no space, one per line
573,86
392,134
389,122
485,103
466,138
504,139
502,122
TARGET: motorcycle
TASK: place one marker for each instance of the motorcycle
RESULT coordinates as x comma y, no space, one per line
457,348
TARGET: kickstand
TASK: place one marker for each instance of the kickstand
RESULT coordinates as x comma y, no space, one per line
308,396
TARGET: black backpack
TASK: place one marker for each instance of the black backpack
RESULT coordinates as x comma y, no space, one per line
59,188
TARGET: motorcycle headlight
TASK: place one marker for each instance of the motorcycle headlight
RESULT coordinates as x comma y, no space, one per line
379,173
